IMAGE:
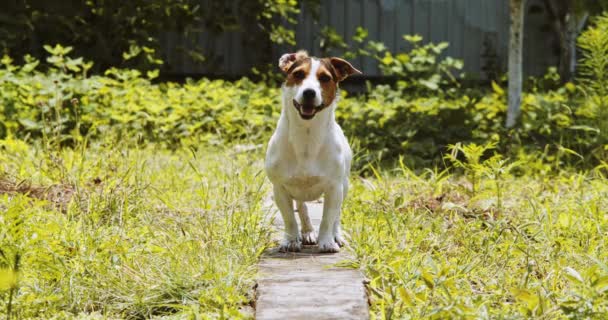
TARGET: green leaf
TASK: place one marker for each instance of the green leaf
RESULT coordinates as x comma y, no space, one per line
412,38
30,124
152,74
601,284
529,298
8,279
497,89
573,275
6,60
428,279
398,201
570,151
584,128
406,296
429,84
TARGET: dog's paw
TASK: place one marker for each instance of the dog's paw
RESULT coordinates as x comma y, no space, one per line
341,241
329,247
290,246
309,237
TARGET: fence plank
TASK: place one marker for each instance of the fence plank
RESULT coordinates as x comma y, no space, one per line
387,24
371,22
421,18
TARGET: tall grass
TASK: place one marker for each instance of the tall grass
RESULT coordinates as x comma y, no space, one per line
434,249
129,233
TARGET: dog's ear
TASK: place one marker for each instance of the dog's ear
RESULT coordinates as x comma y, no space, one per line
343,68
288,59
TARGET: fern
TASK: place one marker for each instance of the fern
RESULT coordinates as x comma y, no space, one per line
594,61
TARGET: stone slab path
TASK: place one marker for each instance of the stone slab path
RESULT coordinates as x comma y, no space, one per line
307,284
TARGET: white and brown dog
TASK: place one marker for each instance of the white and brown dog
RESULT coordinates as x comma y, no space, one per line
308,155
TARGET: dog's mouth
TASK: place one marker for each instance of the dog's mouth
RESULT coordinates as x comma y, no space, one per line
307,111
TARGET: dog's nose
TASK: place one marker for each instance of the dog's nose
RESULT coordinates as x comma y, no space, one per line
309,94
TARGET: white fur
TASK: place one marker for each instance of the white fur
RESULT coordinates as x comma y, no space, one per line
310,82
305,160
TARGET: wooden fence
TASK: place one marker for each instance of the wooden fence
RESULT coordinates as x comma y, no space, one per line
477,31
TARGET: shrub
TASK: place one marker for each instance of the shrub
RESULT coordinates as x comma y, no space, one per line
387,123
422,68
64,105
125,105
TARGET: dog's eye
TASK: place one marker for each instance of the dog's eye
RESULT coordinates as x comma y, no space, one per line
298,74
324,78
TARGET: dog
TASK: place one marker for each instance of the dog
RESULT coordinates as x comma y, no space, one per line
308,155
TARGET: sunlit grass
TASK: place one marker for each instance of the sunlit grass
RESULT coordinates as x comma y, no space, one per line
111,232
433,248
130,233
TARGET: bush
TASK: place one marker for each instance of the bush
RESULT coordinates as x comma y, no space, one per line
64,105
388,124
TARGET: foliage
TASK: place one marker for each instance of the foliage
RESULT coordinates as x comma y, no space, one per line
111,232
432,249
387,123
286,9
594,62
473,166
115,33
64,105
330,41
421,70
99,30
594,71
124,102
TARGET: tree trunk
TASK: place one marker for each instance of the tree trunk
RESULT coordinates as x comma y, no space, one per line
567,20
515,60
573,25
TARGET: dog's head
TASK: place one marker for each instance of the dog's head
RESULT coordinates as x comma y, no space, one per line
312,83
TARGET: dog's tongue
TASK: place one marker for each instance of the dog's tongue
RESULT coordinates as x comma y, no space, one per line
308,110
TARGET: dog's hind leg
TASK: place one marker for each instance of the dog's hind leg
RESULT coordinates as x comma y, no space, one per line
308,231
292,241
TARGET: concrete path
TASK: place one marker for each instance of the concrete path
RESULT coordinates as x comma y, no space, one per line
307,285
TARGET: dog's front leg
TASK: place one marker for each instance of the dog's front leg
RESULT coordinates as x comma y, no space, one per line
292,241
337,229
331,212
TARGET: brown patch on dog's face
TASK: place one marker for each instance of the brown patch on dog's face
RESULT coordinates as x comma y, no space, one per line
298,71
326,74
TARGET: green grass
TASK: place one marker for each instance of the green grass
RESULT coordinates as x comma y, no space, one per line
111,232
128,233
434,249
108,232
